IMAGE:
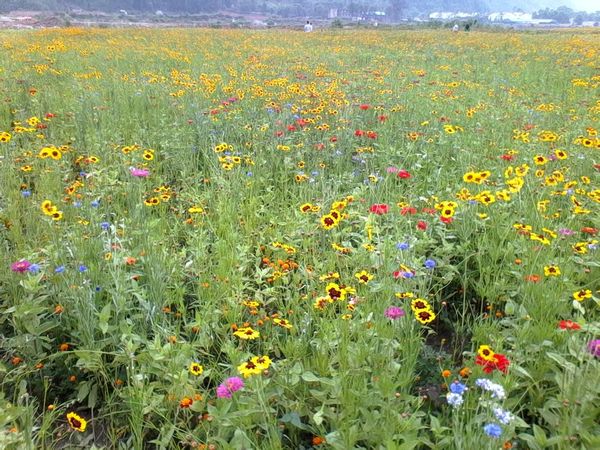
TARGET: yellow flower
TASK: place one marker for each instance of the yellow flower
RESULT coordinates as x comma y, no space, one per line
283,323
363,276
551,271
485,352
582,294
249,368
196,369
247,333
425,316
264,362
76,422
419,304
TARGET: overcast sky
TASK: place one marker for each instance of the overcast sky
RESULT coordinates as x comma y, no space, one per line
586,5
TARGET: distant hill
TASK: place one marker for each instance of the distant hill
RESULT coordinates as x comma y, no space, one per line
312,8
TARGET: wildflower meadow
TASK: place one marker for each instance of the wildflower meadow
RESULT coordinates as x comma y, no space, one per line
346,239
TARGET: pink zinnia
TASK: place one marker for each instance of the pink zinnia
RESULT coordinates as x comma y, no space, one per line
379,208
139,172
394,312
231,385
20,266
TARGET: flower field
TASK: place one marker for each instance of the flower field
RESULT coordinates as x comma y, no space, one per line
352,239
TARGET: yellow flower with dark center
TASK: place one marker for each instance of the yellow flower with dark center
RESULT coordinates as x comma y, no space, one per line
247,333
306,207
580,247
76,422
148,155
328,221
153,201
249,368
335,292
485,352
5,137
196,210
196,369
364,277
551,271
283,323
419,304
264,362
404,294
425,316
582,294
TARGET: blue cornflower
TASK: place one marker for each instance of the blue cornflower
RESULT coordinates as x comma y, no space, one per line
59,269
105,225
430,264
457,388
249,174
493,430
503,416
83,268
454,400
26,194
402,245
77,204
95,203
34,268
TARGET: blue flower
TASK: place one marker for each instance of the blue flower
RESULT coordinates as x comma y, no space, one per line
59,269
26,194
454,400
34,268
430,264
402,245
493,430
105,225
95,203
83,268
457,388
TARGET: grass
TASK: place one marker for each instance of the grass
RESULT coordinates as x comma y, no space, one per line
204,186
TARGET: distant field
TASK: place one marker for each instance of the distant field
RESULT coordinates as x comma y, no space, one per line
226,239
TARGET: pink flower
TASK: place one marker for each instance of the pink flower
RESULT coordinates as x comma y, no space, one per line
403,174
394,312
223,392
392,170
231,385
20,266
379,208
139,172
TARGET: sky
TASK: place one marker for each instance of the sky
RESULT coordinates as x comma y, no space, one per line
586,5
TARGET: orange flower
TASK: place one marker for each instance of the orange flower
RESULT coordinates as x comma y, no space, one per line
318,440
58,309
63,347
186,402
465,372
446,373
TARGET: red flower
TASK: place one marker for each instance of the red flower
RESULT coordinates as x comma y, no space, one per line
421,225
500,363
533,278
447,219
364,107
279,133
379,208
507,157
408,210
589,230
291,128
404,174
382,118
359,133
371,135
333,139
568,325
